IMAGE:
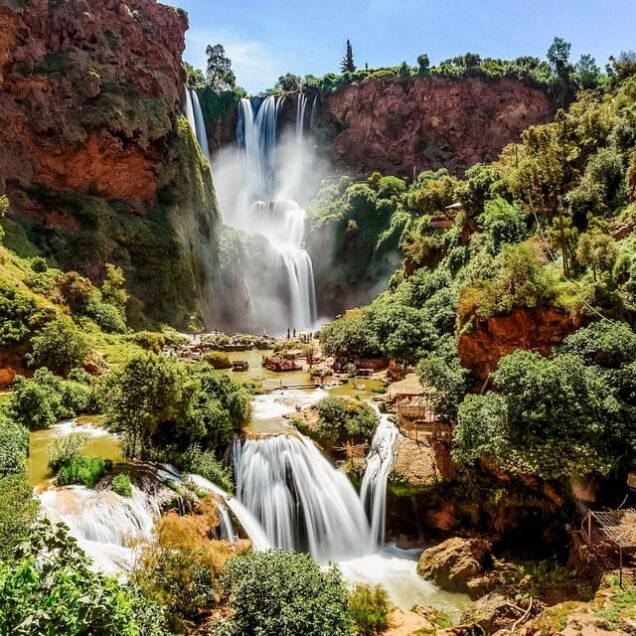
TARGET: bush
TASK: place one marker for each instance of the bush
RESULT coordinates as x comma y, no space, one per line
218,360
149,340
39,265
64,448
341,420
205,463
369,609
86,471
300,597
121,485
76,290
59,345
106,316
16,309
50,588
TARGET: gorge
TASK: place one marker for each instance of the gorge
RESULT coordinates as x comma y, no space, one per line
352,356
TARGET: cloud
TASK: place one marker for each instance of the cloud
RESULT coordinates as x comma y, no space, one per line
253,63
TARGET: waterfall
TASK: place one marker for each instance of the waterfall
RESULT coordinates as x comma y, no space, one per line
301,105
199,128
189,111
373,489
301,501
282,292
105,524
313,114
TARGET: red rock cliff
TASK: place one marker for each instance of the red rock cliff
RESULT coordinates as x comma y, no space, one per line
399,126
87,92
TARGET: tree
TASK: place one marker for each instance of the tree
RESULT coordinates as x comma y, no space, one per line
114,287
219,70
301,597
289,83
59,346
347,65
405,70
597,251
559,57
587,72
423,65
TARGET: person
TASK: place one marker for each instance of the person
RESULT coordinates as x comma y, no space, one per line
288,333
294,333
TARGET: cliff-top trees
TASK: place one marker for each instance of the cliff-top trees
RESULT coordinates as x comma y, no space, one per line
219,69
347,65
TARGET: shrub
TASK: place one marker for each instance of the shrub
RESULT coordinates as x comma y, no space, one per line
106,316
64,448
59,345
50,588
301,598
369,609
16,309
149,340
76,290
206,464
341,420
218,360
39,265
86,471
121,485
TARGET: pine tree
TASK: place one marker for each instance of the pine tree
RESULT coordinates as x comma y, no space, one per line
347,64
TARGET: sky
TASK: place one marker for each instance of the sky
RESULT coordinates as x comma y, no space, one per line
267,38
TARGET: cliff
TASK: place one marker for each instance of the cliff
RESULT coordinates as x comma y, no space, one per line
404,126
490,339
96,160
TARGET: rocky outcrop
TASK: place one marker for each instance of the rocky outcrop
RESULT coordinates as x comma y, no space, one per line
452,564
404,126
490,339
92,156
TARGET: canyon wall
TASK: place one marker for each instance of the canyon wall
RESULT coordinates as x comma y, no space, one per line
97,162
403,126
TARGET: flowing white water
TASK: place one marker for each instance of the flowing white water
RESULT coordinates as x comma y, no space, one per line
258,196
189,111
373,489
300,500
106,525
199,127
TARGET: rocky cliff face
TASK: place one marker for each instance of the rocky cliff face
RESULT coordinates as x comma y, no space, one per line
96,161
404,126
490,339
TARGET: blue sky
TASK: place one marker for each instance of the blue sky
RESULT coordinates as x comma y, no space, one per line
267,38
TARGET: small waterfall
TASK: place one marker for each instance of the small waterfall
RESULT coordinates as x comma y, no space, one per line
199,129
373,489
301,106
299,499
189,111
250,524
313,114
105,524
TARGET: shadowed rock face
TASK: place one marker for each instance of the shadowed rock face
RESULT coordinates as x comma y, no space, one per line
404,126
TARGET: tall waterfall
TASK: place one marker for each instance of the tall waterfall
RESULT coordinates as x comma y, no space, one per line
258,194
199,125
374,482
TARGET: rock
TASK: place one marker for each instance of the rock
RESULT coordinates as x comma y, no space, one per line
492,612
452,564
404,126
7,376
481,348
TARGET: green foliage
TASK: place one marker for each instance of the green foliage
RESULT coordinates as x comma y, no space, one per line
597,251
64,448
45,399
59,346
220,76
503,223
301,598
86,471
217,360
76,290
342,420
348,336
289,83
16,309
121,485
161,405
347,64
49,588
205,463
557,417
149,340
369,608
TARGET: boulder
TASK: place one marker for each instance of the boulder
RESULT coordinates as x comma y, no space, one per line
452,564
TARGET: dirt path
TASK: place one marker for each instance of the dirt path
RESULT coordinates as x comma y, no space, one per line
404,623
